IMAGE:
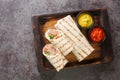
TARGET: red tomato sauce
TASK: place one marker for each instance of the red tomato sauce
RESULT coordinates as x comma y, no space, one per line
97,34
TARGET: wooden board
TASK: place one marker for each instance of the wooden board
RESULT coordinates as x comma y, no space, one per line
102,53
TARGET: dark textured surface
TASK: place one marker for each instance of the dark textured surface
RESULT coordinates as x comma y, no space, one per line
17,54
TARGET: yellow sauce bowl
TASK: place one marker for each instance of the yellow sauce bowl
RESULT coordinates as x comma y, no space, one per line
84,20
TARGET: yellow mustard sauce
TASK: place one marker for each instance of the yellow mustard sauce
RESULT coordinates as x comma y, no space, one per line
85,20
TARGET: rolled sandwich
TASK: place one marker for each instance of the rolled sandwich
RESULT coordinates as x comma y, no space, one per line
81,48
58,39
54,56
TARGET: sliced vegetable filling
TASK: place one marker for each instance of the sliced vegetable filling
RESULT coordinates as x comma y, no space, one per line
54,34
50,50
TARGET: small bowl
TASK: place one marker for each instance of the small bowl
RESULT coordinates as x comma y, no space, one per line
80,26
89,35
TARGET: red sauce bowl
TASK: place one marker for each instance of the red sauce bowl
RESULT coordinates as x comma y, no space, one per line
97,34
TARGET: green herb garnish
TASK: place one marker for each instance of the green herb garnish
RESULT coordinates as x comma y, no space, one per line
47,53
51,36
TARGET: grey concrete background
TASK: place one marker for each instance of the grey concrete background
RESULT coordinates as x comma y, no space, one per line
17,54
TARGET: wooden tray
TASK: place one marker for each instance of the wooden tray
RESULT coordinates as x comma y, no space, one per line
103,52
